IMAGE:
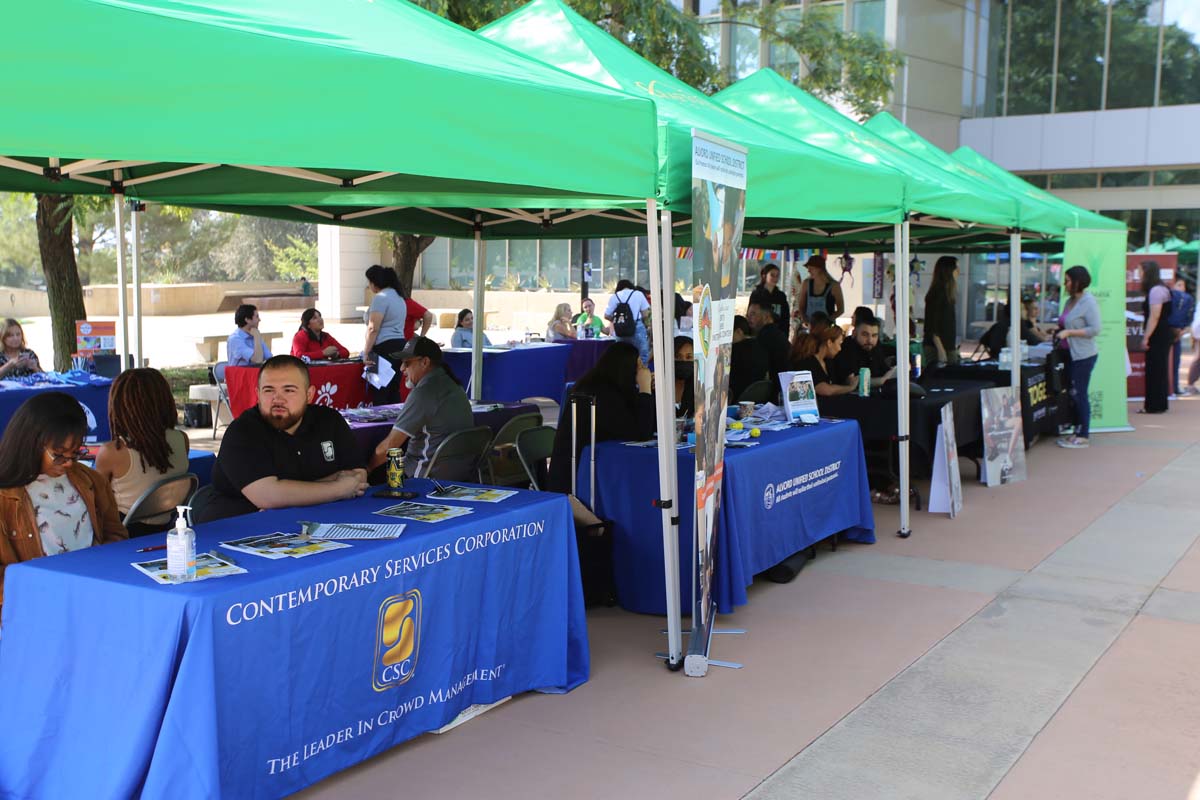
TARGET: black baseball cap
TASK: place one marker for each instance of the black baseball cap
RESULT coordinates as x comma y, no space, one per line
421,347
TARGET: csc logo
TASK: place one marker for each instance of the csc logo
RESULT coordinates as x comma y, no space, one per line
769,496
397,640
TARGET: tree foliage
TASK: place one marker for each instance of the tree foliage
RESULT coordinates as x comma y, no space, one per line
295,261
839,66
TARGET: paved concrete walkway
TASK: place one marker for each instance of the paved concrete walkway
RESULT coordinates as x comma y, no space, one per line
1042,645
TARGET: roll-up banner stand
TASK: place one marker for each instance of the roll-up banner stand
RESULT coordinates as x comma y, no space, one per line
718,213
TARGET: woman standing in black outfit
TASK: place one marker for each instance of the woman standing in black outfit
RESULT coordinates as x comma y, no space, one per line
1157,340
940,346
621,386
768,295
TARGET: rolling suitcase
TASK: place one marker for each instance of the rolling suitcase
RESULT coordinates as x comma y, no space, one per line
595,543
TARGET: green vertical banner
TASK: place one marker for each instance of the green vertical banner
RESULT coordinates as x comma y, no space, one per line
718,212
1103,253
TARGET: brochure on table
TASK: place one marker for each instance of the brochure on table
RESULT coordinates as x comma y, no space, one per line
424,512
799,397
207,566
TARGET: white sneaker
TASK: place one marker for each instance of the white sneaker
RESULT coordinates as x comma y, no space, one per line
1073,443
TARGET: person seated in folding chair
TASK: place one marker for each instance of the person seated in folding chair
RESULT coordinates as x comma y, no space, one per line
146,447
437,406
245,345
284,452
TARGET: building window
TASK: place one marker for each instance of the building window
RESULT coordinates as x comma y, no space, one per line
1041,181
1134,50
1169,225
1177,177
1135,220
434,265
555,272
1117,179
1080,77
522,265
1073,180
1031,58
462,263
868,17
1180,53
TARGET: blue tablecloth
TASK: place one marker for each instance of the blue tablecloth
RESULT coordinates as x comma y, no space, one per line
584,355
773,504
200,464
257,685
93,398
529,370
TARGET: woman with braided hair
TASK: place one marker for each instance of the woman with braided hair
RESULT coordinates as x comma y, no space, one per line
145,446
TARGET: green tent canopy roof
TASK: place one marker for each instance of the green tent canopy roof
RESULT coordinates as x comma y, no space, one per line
1034,214
769,98
1080,217
369,107
787,179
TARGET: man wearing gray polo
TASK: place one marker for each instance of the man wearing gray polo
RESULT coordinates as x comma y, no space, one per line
436,407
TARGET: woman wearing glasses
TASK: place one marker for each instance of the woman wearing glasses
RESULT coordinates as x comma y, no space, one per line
49,502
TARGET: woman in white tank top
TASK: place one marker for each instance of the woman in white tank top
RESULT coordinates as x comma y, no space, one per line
146,447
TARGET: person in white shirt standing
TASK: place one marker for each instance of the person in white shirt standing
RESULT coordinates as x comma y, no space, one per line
629,312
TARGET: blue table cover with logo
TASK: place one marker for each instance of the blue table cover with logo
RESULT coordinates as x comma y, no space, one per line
537,369
257,685
793,489
90,390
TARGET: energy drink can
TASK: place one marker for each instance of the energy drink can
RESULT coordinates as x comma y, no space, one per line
864,381
395,468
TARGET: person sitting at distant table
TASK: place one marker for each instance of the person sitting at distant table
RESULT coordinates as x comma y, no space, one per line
685,392
16,360
864,350
464,332
146,447
770,337
589,319
246,346
818,352
560,328
49,502
312,342
747,361
437,406
283,452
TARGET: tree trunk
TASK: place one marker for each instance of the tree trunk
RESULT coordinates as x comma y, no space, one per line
405,249
62,274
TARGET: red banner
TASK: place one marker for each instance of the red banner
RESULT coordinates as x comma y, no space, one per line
337,385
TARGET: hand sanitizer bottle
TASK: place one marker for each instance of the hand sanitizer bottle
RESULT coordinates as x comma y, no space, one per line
181,548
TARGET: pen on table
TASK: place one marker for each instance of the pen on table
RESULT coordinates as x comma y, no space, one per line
149,549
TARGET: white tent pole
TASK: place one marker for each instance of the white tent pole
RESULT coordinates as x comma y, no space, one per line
480,317
661,316
902,372
1014,310
134,208
122,310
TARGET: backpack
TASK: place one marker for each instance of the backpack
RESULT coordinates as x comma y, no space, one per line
624,325
1183,305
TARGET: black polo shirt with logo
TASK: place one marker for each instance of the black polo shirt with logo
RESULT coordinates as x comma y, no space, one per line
252,449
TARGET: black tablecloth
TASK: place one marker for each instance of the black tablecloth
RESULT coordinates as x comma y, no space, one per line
876,416
1041,409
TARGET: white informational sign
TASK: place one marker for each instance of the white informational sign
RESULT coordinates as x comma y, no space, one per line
1003,436
945,490
799,397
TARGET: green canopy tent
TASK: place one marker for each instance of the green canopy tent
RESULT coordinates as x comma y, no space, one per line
940,203
215,108
850,195
1033,214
